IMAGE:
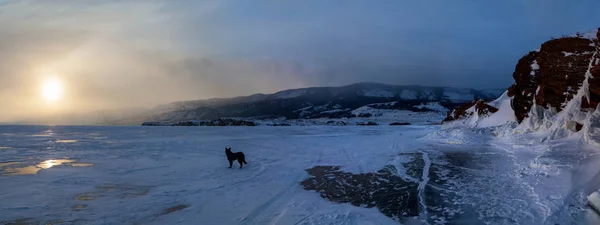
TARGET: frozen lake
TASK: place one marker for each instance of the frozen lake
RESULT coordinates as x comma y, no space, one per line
294,175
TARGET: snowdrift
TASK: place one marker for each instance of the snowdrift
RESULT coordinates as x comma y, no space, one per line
476,119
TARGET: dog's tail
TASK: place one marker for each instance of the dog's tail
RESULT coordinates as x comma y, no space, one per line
245,161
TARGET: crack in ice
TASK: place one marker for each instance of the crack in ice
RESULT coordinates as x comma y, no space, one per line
424,181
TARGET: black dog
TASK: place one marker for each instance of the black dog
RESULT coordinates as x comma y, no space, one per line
232,156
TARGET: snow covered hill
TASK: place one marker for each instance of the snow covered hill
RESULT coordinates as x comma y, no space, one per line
326,103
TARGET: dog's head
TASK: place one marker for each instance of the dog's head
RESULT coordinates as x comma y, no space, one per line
227,149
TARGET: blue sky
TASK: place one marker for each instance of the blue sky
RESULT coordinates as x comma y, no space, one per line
112,53
459,43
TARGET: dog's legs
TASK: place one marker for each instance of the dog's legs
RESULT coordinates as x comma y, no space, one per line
240,161
230,163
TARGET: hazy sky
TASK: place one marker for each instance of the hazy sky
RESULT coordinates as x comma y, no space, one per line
113,54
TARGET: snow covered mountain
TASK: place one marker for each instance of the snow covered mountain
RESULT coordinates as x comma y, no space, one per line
556,90
356,100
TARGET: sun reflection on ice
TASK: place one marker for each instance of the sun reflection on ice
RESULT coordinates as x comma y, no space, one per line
66,141
53,162
46,133
3,164
81,164
22,170
47,164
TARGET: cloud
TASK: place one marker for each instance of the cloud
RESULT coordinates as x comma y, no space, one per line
114,54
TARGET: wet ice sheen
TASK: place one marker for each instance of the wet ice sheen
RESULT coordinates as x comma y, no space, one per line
46,164
66,141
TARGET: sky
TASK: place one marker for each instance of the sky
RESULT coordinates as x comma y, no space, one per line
116,54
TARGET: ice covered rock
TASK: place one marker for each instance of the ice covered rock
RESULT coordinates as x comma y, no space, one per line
556,89
227,122
152,123
469,109
482,114
188,123
551,77
591,132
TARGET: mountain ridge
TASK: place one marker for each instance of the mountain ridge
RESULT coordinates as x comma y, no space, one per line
315,87
319,102
330,86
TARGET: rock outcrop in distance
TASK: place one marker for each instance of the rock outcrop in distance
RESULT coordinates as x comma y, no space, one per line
557,87
192,123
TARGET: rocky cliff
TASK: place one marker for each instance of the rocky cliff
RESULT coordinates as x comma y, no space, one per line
562,75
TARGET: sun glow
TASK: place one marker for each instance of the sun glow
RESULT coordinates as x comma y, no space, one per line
52,90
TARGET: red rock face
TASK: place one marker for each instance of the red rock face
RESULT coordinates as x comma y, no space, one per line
556,73
525,86
553,75
461,112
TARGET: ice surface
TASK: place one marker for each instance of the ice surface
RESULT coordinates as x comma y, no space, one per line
178,175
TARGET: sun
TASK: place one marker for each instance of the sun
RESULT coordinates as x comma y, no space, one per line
52,90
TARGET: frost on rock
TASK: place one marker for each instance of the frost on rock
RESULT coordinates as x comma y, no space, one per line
570,120
591,128
538,118
504,115
534,67
587,35
483,114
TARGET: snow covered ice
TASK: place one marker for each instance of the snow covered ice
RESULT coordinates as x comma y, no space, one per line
294,175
